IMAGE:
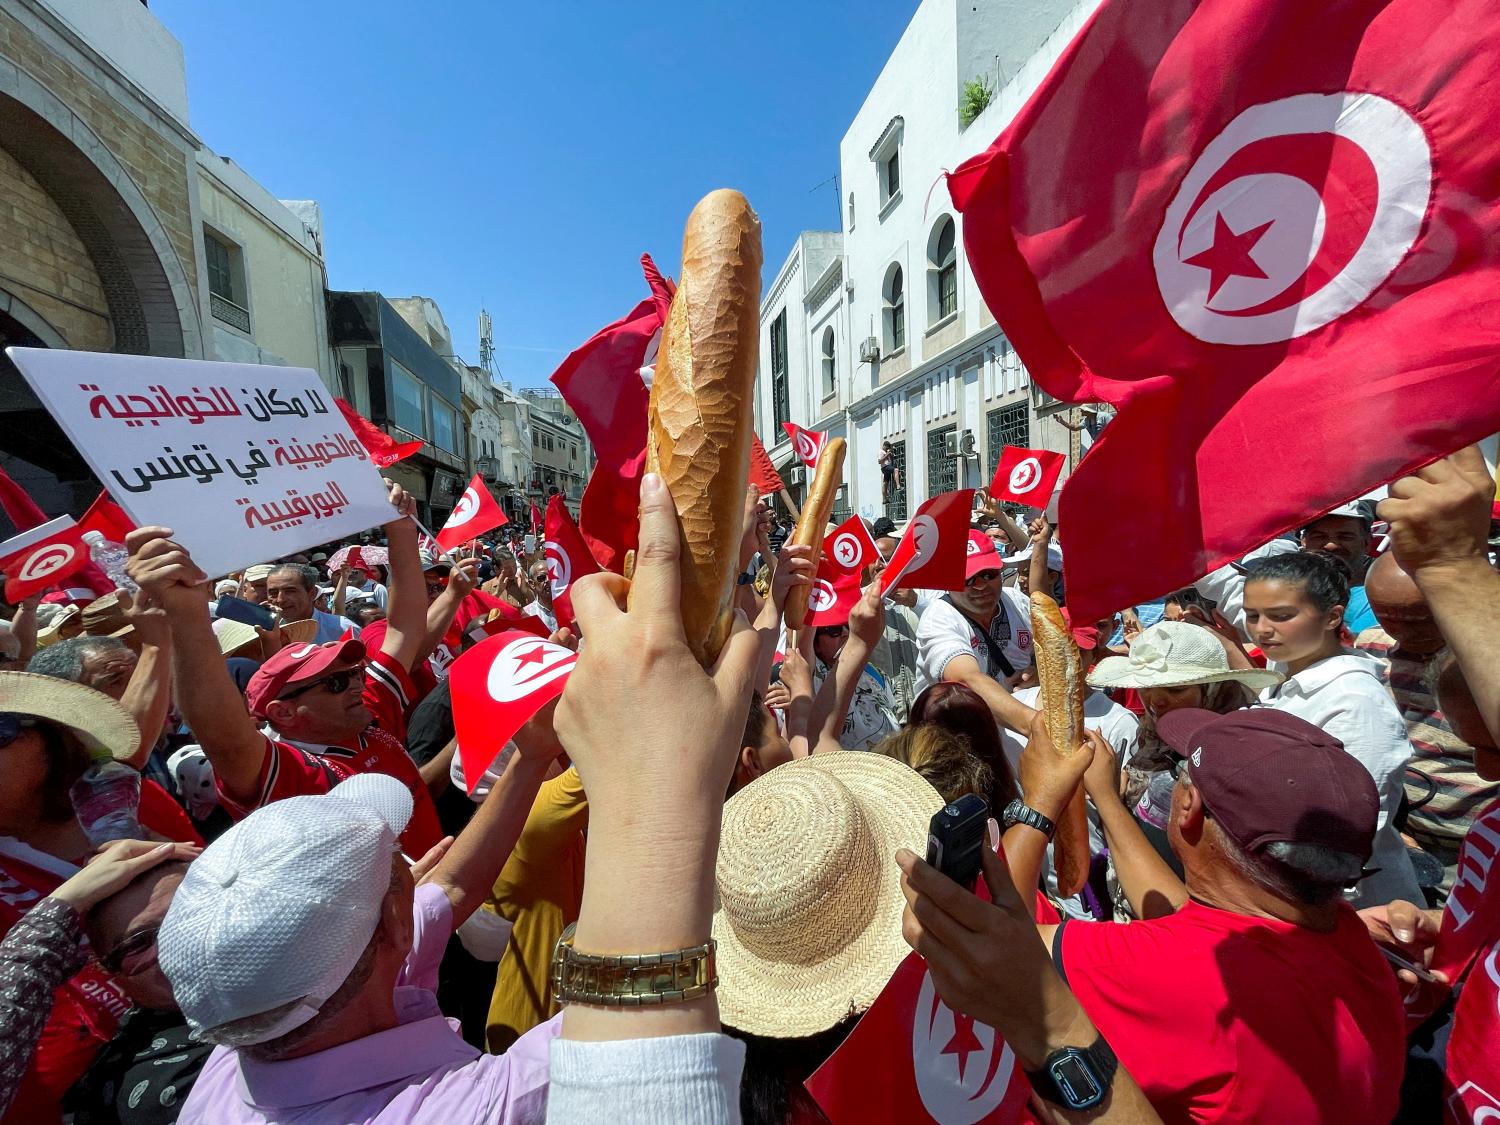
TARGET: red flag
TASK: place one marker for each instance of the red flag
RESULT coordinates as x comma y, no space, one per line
537,523
42,556
568,559
513,618
933,551
497,686
1027,476
603,382
913,1059
18,504
475,513
383,449
1278,260
834,594
763,474
807,444
851,546
107,518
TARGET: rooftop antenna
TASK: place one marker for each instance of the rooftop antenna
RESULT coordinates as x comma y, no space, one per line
486,342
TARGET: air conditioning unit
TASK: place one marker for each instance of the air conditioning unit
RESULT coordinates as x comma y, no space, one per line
950,444
967,445
869,350
797,474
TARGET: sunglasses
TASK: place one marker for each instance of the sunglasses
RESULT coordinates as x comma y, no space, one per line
982,576
12,725
123,957
337,683
832,630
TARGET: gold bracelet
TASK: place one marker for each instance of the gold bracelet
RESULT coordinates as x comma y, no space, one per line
630,980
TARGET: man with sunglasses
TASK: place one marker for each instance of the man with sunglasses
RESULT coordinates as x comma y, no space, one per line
979,636
318,713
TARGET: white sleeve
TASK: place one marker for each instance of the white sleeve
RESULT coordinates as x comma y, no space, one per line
646,1081
941,636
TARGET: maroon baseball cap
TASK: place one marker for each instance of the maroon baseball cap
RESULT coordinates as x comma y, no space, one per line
982,554
1268,777
294,663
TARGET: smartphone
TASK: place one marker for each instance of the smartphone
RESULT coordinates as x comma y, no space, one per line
232,608
1412,967
955,836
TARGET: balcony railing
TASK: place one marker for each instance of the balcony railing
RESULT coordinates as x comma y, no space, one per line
229,312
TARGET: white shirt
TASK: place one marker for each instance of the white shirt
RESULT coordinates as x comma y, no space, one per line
872,711
1120,729
546,616
945,634
1344,697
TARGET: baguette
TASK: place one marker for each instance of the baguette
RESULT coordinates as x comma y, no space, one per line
1059,668
701,419
813,521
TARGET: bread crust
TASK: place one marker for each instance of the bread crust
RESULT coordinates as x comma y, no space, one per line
701,418
1060,672
813,521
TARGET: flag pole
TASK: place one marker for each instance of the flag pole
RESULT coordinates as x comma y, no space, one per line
446,556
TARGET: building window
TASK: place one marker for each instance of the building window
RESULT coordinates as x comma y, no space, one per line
226,281
886,156
780,392
851,210
895,498
536,438
892,172
406,391
829,364
942,470
942,263
1008,425
895,312
444,426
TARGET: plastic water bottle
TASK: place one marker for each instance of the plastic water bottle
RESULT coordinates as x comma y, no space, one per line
110,557
107,801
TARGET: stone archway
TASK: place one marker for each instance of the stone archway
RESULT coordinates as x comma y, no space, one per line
151,302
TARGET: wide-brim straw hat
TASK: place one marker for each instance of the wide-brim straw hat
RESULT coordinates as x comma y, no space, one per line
101,724
233,635
51,632
105,617
1176,654
299,632
809,903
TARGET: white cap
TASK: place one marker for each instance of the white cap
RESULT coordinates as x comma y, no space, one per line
226,586
1054,557
281,907
92,537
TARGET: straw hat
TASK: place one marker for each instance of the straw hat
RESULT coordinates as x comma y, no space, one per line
808,918
299,632
58,617
101,724
105,617
233,635
1176,654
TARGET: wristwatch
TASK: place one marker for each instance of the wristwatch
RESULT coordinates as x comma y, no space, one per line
631,980
1076,1077
1017,813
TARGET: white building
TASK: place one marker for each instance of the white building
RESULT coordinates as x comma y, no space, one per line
916,358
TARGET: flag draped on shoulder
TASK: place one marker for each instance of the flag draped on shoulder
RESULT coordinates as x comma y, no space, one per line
1266,231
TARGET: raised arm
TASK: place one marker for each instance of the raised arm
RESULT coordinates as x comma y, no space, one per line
1003,705
795,567
472,864
1008,527
1036,570
210,702
148,695
1151,886
1048,782
1440,520
406,603
340,592
440,614
831,707
23,625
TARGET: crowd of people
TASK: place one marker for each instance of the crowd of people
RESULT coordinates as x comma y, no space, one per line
243,878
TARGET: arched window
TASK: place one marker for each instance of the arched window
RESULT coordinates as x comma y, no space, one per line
895,311
942,271
830,367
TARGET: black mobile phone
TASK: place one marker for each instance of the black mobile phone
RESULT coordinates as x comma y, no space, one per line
955,836
232,608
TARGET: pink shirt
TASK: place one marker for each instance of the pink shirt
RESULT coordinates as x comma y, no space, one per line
420,1070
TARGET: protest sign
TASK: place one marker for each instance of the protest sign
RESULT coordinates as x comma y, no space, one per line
244,462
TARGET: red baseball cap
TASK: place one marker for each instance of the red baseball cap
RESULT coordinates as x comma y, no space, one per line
294,663
1084,636
1268,777
982,554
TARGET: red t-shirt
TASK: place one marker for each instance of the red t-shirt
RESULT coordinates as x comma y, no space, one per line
1473,1093
292,769
1227,1018
86,1008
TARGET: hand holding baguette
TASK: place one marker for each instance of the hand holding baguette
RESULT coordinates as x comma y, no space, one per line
813,521
1060,669
701,423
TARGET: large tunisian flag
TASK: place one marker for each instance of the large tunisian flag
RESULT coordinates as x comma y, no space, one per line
1266,231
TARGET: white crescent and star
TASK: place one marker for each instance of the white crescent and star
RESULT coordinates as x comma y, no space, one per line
524,666
465,509
1292,217
956,1087
1026,474
47,561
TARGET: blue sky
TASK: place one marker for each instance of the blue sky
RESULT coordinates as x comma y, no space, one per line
522,156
